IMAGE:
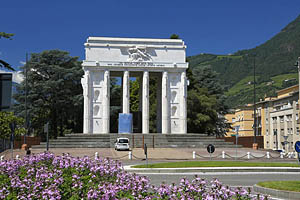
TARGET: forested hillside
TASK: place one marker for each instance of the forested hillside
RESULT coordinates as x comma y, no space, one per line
274,61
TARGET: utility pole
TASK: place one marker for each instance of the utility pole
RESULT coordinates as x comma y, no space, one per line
26,87
254,107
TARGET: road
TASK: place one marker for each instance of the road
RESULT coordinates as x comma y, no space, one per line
232,179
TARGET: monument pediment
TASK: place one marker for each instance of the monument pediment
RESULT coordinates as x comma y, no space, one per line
135,50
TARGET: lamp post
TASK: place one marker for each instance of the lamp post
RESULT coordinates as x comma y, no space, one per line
24,146
255,145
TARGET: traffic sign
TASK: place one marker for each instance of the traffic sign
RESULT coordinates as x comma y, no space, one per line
297,146
236,129
210,148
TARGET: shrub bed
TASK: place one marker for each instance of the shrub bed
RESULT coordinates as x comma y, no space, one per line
46,176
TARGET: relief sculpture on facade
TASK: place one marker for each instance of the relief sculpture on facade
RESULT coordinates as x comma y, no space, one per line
138,54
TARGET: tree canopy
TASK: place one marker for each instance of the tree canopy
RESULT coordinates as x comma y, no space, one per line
205,103
54,92
7,118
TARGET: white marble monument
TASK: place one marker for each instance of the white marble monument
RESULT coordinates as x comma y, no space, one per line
125,57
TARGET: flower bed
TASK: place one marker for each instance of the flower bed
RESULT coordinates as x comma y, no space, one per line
45,176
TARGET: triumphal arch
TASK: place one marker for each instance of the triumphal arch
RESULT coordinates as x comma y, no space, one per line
135,57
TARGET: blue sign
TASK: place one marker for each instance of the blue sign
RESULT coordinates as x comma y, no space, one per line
297,146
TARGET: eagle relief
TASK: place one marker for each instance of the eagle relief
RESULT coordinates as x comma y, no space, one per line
138,54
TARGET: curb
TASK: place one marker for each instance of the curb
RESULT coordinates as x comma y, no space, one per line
277,193
129,168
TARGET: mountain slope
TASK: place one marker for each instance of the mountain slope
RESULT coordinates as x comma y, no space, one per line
275,57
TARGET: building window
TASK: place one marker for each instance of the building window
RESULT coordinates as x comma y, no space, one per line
267,132
289,118
274,119
297,130
291,130
297,117
268,145
282,131
267,121
281,119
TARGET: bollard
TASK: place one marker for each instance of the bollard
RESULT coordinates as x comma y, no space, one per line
295,155
129,155
281,154
223,154
2,158
268,155
194,155
17,157
290,154
96,155
248,155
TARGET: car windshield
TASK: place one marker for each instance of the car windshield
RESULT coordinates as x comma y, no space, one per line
123,140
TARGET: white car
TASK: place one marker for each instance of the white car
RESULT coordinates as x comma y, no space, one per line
122,144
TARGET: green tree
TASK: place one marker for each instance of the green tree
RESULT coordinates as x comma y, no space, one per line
134,95
202,113
4,64
206,106
7,118
54,92
174,36
6,35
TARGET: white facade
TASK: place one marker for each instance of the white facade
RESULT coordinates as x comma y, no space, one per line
108,57
282,120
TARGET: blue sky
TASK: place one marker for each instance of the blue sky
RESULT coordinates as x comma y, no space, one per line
206,26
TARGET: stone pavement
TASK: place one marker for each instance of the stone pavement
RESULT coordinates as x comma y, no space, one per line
156,153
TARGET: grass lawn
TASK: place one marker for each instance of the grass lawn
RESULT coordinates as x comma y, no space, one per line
215,164
282,185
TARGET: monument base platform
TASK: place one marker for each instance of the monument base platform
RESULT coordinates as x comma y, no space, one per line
137,140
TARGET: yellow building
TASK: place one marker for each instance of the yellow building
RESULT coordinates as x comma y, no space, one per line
242,117
230,117
277,120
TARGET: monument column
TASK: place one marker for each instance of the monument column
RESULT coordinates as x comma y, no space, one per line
145,103
86,101
165,104
183,103
126,94
106,102
158,107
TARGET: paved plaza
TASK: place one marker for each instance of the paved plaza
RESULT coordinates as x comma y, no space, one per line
162,154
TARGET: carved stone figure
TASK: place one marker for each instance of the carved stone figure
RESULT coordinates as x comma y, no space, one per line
138,54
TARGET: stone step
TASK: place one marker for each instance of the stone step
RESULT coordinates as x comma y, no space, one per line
136,141
80,140
68,146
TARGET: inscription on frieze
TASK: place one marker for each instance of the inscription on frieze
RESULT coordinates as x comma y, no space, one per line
135,64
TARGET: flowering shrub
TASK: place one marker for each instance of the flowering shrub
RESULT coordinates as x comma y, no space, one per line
45,176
